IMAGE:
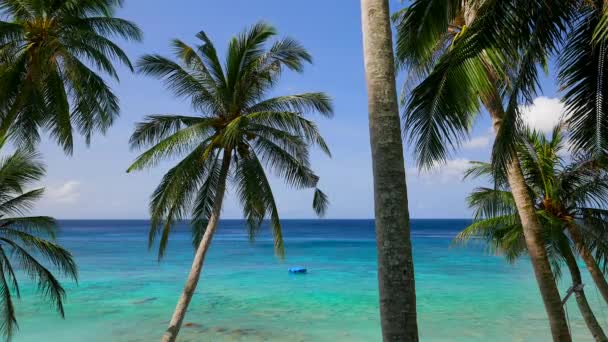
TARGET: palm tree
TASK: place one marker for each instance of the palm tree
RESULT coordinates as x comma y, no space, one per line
51,54
239,133
564,195
395,263
27,242
457,73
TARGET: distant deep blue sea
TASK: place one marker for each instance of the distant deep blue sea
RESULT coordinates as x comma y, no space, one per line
246,294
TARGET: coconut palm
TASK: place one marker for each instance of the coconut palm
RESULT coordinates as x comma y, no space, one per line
238,135
531,32
564,195
455,74
395,262
27,243
53,54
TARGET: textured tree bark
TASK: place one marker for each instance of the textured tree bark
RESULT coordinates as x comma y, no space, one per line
594,270
199,257
581,300
395,264
533,234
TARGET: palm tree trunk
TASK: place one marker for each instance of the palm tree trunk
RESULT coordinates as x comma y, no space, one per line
492,100
581,299
199,258
594,269
395,265
533,235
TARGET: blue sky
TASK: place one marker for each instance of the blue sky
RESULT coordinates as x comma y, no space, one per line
93,184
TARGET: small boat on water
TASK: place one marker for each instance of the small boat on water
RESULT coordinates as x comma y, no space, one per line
297,270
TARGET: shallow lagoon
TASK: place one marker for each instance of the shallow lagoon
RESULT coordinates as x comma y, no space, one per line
246,294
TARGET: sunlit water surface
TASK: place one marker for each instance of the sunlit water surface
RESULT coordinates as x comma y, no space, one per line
246,294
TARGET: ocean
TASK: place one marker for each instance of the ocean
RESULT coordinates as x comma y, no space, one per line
246,294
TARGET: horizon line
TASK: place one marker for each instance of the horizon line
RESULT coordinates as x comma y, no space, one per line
242,219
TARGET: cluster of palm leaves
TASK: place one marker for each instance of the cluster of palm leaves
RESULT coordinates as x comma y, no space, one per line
27,244
53,55
566,194
461,54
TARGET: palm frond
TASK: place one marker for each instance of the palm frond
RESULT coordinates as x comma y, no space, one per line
19,170
244,50
258,200
174,195
502,234
48,285
180,81
174,145
442,108
420,27
300,103
320,203
294,171
581,75
488,203
204,201
158,127
38,225
20,204
109,27
294,124
9,320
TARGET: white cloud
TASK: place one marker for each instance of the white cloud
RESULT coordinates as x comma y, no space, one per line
477,142
452,170
543,114
68,192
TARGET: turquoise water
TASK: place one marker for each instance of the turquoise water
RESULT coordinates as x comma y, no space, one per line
245,294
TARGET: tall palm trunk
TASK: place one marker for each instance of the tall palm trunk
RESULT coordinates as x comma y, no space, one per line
199,258
581,299
592,266
395,264
533,231
533,235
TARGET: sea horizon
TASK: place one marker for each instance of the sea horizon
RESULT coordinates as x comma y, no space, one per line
265,220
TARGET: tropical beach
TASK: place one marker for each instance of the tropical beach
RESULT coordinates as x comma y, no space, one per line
373,170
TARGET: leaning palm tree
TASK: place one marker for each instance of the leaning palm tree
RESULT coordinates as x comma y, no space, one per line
51,55
239,133
455,73
564,195
395,262
26,243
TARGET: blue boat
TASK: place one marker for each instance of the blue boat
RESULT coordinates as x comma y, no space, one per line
297,270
